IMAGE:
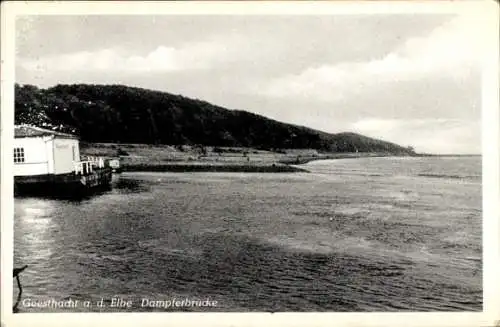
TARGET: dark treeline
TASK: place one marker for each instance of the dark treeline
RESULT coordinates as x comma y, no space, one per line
121,114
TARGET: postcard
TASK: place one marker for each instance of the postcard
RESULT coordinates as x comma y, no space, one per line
304,163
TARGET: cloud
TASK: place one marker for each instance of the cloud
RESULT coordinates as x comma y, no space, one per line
196,55
439,135
110,60
453,49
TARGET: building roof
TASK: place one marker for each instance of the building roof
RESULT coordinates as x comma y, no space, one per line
33,131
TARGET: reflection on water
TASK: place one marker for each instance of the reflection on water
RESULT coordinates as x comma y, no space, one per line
351,235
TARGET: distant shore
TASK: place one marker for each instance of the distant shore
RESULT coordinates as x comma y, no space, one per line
165,158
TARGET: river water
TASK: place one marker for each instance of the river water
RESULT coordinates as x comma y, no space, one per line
371,234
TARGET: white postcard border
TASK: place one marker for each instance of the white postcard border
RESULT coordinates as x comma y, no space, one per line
491,163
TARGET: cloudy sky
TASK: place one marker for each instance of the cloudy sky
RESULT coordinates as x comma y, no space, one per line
409,79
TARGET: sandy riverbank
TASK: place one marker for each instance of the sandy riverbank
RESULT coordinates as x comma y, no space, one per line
207,167
144,157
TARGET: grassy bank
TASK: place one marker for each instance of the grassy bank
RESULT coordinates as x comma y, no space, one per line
144,157
194,167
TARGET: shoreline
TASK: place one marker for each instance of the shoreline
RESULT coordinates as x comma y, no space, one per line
301,161
203,167
195,158
281,166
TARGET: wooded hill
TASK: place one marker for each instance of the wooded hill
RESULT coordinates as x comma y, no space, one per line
122,114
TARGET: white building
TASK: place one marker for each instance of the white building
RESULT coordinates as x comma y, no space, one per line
39,151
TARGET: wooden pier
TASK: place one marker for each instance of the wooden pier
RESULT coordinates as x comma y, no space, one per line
88,176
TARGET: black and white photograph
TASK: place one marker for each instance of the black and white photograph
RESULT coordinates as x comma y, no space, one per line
314,162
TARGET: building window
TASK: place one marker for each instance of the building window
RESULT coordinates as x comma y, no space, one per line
18,155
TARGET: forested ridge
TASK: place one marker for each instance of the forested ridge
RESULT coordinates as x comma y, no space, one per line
122,114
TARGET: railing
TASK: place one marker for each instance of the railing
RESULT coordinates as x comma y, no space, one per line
87,166
97,161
